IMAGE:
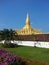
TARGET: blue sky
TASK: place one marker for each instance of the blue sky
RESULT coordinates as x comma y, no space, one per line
13,14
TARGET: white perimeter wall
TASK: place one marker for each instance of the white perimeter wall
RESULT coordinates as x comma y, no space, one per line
33,43
30,43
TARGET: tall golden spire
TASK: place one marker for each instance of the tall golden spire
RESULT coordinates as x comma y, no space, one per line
27,20
27,29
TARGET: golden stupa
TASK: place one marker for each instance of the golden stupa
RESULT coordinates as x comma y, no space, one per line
27,29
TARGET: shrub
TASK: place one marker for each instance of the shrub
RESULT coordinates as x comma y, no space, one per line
7,58
9,45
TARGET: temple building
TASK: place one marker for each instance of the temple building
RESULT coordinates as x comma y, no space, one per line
27,29
29,36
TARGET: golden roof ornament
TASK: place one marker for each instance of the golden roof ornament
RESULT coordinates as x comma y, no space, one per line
27,20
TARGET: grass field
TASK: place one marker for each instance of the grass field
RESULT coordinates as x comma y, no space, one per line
39,54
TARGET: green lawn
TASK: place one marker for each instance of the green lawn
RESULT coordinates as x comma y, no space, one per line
39,54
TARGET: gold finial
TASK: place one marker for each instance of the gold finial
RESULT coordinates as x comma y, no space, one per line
27,15
27,20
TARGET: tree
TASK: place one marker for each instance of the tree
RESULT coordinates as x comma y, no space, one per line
6,34
1,35
12,34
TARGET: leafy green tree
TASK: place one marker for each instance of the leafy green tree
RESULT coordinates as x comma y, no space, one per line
1,36
12,34
6,34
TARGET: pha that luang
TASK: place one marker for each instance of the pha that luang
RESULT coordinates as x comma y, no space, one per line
28,36
27,29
